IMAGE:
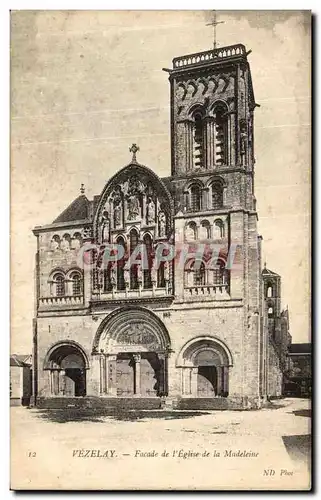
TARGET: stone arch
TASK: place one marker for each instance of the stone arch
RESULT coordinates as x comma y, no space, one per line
202,342
204,362
132,344
131,321
66,363
65,346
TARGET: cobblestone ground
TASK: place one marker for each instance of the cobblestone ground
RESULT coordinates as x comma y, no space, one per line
155,450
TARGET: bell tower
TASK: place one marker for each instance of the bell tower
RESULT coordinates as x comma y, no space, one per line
212,104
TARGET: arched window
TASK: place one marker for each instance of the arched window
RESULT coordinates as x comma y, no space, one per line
220,135
269,291
195,198
270,312
198,142
59,283
76,281
218,229
191,231
220,274
120,265
55,242
199,273
217,195
65,242
133,242
205,230
76,241
147,275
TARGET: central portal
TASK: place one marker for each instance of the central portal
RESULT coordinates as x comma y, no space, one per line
139,374
133,347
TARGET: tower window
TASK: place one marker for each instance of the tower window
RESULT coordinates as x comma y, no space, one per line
195,199
199,274
220,274
270,291
198,146
217,195
59,281
220,136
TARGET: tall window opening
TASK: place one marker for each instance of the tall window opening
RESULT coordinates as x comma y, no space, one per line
198,142
220,273
220,136
59,285
199,274
147,272
133,236
76,281
195,198
120,265
217,195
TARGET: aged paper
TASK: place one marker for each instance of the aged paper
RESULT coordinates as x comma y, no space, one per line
160,239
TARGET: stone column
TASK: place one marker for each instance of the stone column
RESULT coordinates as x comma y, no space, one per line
55,382
194,382
187,381
102,365
137,388
225,379
62,382
112,382
163,386
219,380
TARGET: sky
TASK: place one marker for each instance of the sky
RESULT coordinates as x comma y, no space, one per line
85,85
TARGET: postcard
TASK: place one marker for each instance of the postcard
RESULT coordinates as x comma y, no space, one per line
160,242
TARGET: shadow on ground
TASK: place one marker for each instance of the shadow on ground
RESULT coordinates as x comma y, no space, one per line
301,413
98,416
299,448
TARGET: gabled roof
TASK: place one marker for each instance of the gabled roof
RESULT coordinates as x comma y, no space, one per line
268,272
79,209
20,360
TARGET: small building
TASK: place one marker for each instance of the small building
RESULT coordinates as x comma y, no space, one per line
20,379
277,334
299,373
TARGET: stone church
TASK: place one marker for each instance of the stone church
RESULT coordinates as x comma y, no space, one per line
196,329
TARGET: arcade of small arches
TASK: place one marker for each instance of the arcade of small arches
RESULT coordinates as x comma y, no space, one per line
66,283
195,231
132,348
115,277
199,197
66,242
201,273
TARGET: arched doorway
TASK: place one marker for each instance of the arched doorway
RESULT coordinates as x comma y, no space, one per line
205,364
66,364
133,346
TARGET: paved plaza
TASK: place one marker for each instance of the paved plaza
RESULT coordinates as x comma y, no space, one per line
267,449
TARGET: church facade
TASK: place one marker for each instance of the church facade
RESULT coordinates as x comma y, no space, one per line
152,293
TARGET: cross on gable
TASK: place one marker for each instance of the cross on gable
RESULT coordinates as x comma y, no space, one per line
133,149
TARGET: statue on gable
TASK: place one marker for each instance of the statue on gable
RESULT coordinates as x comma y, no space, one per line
133,200
105,227
162,224
150,215
117,207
